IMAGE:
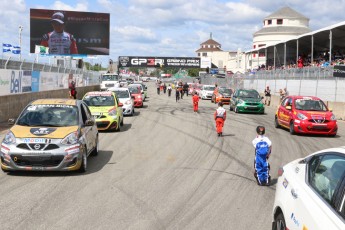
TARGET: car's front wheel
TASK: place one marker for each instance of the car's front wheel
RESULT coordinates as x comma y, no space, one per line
83,165
276,123
95,150
292,128
279,222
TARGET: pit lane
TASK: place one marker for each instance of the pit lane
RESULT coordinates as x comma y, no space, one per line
166,169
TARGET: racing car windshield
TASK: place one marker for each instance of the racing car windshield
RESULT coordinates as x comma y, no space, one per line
49,115
209,88
225,91
122,94
99,100
134,90
249,94
310,105
110,77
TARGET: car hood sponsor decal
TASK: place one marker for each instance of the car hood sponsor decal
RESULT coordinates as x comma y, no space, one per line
46,132
42,131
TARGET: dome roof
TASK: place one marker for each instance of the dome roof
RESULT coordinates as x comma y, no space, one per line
286,12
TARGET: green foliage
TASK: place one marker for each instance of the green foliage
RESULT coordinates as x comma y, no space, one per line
194,72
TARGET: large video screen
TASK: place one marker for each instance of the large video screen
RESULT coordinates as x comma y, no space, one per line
61,32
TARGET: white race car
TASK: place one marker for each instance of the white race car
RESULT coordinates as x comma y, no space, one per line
125,98
207,91
310,193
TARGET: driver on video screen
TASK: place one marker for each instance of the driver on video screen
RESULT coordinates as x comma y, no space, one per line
59,41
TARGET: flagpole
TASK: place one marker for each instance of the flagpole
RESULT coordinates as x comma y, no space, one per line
20,42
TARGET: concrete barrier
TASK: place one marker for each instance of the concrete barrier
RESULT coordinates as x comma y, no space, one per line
338,108
12,105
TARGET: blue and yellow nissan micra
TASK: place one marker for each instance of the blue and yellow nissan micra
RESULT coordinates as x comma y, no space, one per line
106,109
50,135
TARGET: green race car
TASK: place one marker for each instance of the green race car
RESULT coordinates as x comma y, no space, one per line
247,101
106,109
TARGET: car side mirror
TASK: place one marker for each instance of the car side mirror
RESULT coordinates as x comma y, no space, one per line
89,122
120,104
11,121
330,109
288,107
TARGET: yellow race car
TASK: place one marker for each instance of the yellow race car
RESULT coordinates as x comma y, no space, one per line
106,109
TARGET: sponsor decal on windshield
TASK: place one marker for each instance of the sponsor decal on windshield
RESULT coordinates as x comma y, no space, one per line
103,93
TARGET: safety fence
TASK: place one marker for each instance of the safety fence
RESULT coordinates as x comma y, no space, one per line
23,77
312,81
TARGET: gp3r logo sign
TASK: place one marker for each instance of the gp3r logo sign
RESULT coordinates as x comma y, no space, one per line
146,61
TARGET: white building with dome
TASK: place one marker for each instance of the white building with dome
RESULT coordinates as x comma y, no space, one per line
281,25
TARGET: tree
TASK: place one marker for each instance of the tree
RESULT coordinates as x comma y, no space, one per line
194,72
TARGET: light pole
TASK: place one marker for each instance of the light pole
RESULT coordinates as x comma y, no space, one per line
20,42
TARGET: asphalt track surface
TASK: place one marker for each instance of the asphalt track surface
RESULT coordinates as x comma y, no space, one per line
166,169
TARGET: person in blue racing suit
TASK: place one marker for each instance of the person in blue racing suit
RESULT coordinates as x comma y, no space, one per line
263,147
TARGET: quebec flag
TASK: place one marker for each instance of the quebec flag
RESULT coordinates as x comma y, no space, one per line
6,47
16,49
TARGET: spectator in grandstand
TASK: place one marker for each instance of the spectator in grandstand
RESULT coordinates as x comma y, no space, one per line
300,62
59,41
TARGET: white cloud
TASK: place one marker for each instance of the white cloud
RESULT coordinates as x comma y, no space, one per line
133,33
59,5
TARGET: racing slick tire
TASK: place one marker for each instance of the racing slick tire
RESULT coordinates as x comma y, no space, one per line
83,165
276,123
95,150
279,222
292,130
235,109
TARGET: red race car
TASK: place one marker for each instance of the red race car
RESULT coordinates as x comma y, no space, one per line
137,96
302,114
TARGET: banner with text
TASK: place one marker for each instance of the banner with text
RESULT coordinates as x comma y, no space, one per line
339,71
163,62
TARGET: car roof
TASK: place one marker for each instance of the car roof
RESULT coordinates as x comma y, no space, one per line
55,101
340,150
304,97
100,93
118,89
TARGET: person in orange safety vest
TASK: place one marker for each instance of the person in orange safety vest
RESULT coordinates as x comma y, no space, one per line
195,99
220,117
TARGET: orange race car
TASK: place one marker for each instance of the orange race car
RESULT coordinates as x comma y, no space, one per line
221,94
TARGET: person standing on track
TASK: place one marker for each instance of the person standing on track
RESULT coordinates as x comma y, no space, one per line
263,147
195,99
267,96
177,94
158,85
169,90
220,117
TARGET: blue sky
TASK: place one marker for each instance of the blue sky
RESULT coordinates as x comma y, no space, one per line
169,28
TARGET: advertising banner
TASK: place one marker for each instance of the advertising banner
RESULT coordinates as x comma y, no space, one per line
339,71
70,33
166,62
35,81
